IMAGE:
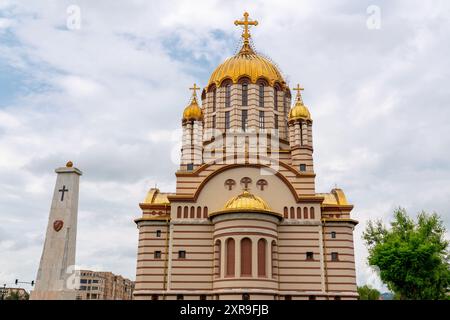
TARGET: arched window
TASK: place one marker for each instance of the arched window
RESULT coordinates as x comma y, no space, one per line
246,257
286,212
199,212
311,213
205,212
217,261
261,95
214,100
185,212
227,95
299,213
179,212
275,98
262,258
192,212
292,213
245,94
305,213
230,257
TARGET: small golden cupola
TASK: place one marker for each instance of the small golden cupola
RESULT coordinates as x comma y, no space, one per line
193,110
246,63
246,202
299,111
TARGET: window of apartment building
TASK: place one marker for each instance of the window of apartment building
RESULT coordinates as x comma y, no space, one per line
158,233
83,280
333,234
157,254
190,166
180,297
244,94
94,288
276,121
182,254
227,96
94,296
309,255
213,121
261,120
334,256
89,281
83,288
244,120
227,119
302,167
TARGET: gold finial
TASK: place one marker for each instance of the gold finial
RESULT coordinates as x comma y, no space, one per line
299,94
246,23
69,164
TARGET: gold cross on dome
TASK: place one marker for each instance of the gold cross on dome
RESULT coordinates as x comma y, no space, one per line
245,23
194,89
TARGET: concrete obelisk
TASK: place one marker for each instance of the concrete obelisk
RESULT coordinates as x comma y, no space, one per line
58,256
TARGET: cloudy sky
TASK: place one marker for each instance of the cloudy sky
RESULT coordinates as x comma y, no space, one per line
109,95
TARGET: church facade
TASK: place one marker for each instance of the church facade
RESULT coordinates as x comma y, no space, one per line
245,221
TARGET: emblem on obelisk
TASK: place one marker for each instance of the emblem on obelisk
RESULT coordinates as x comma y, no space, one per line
57,225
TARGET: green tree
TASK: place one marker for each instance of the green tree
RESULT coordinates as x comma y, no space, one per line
368,293
412,256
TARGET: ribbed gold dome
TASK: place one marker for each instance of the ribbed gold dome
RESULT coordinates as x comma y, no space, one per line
299,111
193,111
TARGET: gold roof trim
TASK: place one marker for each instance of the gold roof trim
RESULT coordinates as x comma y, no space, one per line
155,197
335,198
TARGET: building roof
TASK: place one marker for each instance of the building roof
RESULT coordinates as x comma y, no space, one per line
335,197
154,196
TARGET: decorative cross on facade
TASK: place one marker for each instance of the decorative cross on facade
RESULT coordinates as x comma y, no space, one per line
230,183
62,192
194,89
298,89
246,181
245,23
261,184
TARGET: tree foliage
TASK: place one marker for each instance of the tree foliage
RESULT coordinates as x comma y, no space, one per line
412,256
367,293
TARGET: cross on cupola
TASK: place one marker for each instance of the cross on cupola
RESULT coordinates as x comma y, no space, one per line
63,190
299,92
194,92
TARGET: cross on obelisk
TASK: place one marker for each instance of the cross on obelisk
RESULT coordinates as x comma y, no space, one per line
62,192
299,94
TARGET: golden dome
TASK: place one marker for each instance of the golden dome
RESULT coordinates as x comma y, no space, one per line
246,202
193,111
246,63
299,111
69,164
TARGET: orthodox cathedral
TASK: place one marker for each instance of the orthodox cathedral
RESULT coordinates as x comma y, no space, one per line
245,221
